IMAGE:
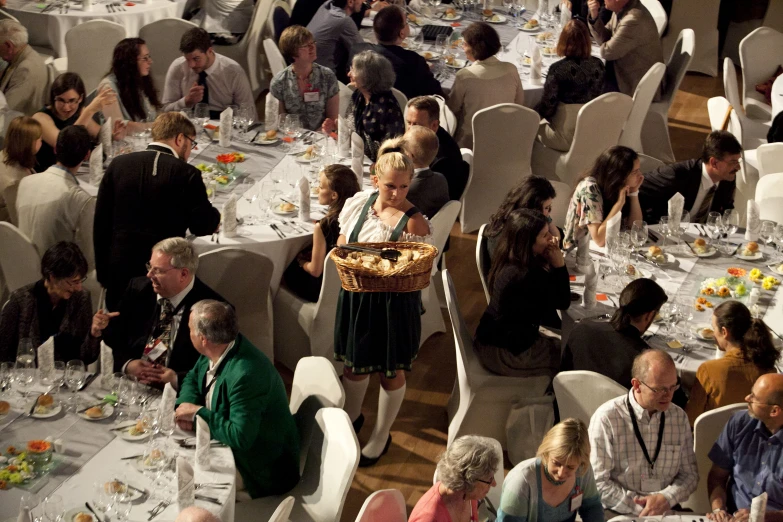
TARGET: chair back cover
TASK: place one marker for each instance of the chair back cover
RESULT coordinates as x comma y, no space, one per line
579,393
770,159
283,511
658,13
19,259
163,37
90,46
483,260
702,18
274,56
316,376
386,505
642,98
769,196
759,62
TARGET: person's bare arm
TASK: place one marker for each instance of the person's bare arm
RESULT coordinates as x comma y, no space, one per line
315,267
49,130
717,481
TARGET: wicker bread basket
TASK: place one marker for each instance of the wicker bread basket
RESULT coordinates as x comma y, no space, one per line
408,277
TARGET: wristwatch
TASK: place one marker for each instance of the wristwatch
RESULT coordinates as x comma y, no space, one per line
634,194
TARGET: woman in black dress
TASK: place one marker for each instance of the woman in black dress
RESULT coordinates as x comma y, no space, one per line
304,275
379,332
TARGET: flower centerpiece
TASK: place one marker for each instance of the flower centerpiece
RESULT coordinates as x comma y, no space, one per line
39,453
227,163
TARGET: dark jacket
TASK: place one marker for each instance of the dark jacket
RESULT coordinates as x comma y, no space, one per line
449,162
414,77
683,177
429,191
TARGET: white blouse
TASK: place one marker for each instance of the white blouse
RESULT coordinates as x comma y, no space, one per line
374,230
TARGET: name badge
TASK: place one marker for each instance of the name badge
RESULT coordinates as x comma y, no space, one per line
650,484
156,352
312,96
576,502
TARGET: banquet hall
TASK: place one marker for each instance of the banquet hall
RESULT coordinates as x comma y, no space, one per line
231,165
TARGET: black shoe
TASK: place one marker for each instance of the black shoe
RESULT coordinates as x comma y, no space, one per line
366,462
358,423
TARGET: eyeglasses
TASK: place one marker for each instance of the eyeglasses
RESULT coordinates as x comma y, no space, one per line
310,45
752,400
158,271
193,142
665,390
146,58
732,163
72,101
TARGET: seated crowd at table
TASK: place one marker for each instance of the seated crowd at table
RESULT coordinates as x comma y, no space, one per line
166,326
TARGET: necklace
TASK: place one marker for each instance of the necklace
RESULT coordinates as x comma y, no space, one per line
550,478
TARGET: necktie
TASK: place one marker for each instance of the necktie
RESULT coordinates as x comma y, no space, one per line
704,208
202,80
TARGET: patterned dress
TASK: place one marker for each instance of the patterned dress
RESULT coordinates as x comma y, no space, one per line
285,88
376,121
586,207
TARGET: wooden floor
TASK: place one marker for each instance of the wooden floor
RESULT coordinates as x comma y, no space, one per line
419,433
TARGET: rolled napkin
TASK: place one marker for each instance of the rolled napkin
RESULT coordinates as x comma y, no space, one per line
107,360
167,401
230,212
591,283
357,157
96,165
753,226
304,199
613,225
202,444
226,126
186,484
270,112
583,250
536,63
676,204
343,138
46,355
105,135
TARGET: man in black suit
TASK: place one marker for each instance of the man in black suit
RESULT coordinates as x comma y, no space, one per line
707,184
413,74
428,190
150,337
145,197
425,112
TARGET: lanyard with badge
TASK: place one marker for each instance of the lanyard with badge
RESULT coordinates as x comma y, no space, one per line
576,499
650,483
156,350
310,95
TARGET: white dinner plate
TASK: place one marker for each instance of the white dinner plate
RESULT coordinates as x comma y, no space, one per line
698,332
51,413
125,435
548,55
458,64
754,257
669,259
70,515
108,411
454,19
264,141
501,19
641,273
299,158
709,253
778,269
277,210
531,30
429,55
131,494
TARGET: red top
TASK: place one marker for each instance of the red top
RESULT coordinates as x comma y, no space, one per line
431,508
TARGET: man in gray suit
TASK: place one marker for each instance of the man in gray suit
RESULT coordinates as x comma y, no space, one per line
23,82
629,43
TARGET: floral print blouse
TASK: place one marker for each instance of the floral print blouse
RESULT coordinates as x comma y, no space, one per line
286,90
376,121
586,206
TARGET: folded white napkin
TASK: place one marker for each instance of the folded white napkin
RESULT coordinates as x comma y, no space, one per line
304,199
676,204
613,225
758,508
343,137
230,214
357,156
105,135
107,360
536,63
271,108
226,126
753,226
167,402
591,282
96,165
46,355
565,15
186,484
202,444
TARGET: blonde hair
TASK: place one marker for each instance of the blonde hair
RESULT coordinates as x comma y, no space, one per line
20,139
421,144
169,125
567,440
467,460
391,156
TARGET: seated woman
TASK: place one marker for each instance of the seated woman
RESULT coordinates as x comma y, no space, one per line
527,262
303,276
66,108
749,353
54,306
613,183
543,488
304,87
22,141
374,109
465,474
570,83
485,83
130,78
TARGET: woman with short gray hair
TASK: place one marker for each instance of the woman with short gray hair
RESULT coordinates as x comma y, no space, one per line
466,472
376,114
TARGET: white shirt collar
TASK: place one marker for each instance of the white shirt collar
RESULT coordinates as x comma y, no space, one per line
640,412
213,367
159,144
212,68
706,180
177,299
416,171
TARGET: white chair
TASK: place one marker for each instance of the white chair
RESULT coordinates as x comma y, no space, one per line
90,47
447,118
278,19
315,376
163,37
579,393
274,56
702,18
770,197
706,430
560,204
386,505
774,16
770,159
432,319
503,137
658,14
333,456
218,269
283,511
759,58
483,260
19,259
609,113
303,328
402,100
648,163
642,98
754,130
481,401
655,132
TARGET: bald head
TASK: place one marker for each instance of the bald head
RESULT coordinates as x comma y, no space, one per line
421,145
654,380
771,387
196,514
650,360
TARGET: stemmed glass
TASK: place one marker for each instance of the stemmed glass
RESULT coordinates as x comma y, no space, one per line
730,221
75,374
714,226
6,376
102,499
125,393
779,238
249,195
53,508
767,232
122,508
618,258
201,115
685,222
507,4
24,374
264,194
664,228
639,231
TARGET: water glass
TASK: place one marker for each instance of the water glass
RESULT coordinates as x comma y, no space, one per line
24,374
201,115
6,376
767,231
53,508
122,508
25,350
102,498
75,375
639,233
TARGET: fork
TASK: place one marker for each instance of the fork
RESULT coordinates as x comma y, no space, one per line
160,508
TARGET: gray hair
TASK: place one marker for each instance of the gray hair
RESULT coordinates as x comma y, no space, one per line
181,251
215,320
373,71
469,459
14,32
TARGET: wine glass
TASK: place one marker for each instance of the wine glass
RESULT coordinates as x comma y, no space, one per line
767,231
685,223
75,374
25,350
122,508
6,376
166,423
201,115
507,4
714,225
53,508
779,238
264,192
24,374
125,396
664,228
102,498
639,231
248,118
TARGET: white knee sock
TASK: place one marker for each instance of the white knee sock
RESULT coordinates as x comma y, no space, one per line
389,403
354,396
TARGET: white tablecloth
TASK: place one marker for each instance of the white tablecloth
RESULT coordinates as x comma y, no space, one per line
48,29
777,96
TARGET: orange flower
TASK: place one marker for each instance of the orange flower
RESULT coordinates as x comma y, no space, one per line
737,272
38,446
226,158
3,484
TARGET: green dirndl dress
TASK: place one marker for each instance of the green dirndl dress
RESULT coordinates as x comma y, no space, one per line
378,331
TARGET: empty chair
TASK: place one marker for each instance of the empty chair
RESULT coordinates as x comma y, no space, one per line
90,47
480,401
218,269
303,328
503,137
642,98
702,18
706,430
316,376
759,58
608,112
658,14
283,511
333,456
274,56
19,259
655,132
769,196
754,130
163,37
483,260
579,393
386,505
769,158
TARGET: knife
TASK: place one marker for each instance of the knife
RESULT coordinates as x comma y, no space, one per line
689,246
93,406
208,499
99,519
34,405
88,381
131,487
131,457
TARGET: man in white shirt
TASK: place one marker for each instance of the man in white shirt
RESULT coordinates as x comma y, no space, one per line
707,184
51,206
203,76
642,447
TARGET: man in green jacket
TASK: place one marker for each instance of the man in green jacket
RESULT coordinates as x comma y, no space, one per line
240,395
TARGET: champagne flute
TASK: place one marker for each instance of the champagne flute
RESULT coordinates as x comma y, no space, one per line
75,374
6,376
250,195
664,228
